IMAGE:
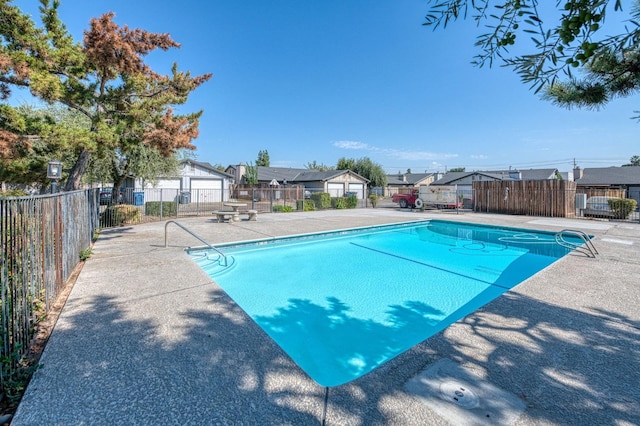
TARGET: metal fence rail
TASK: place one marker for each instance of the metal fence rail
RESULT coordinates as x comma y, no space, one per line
134,206
41,239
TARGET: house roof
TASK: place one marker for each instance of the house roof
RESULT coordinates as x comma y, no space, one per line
531,174
407,178
267,174
627,175
452,177
208,166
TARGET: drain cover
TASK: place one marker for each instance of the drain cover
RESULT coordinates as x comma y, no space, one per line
461,397
458,394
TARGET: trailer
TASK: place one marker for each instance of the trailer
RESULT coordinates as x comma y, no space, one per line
439,196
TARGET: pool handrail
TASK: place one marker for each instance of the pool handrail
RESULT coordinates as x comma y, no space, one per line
166,243
588,248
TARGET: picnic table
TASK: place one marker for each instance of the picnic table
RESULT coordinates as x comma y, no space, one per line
232,215
235,206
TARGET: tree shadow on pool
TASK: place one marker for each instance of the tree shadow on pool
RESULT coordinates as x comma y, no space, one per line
334,347
568,366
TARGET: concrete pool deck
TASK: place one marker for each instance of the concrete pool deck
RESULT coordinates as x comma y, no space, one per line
146,337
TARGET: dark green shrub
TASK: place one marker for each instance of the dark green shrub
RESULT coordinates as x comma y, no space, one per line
350,202
622,207
169,208
322,200
374,200
282,209
13,193
305,205
118,215
338,203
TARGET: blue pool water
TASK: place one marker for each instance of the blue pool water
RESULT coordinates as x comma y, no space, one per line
341,304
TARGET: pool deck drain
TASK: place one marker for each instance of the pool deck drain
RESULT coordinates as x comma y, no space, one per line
463,398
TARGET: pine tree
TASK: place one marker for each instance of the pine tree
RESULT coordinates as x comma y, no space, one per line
128,105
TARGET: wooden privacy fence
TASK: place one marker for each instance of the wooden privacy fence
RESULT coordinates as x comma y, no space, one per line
41,239
551,198
603,192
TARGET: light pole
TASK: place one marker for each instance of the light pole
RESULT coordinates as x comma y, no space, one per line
54,172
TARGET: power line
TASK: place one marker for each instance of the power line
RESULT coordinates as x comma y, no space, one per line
504,166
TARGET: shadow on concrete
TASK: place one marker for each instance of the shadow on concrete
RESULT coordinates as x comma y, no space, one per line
570,367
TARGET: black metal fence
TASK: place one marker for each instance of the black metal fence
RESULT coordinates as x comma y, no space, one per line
131,206
42,239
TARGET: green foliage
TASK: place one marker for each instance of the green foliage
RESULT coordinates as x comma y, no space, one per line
350,202
54,134
16,373
338,203
85,254
251,174
305,205
17,368
569,37
126,107
346,164
633,161
366,168
320,167
321,200
263,159
282,209
622,207
169,208
374,200
118,215
456,169
141,161
13,193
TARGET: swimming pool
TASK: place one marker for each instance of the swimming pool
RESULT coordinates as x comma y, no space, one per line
342,303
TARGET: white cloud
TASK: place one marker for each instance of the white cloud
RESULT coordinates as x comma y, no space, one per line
417,155
479,156
351,145
398,154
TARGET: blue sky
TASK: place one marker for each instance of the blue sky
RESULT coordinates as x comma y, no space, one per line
317,81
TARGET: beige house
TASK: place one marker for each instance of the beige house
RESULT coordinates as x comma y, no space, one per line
334,182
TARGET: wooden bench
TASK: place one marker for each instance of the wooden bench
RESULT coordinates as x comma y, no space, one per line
226,215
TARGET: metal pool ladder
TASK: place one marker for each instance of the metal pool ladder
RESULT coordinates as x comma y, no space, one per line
194,235
586,247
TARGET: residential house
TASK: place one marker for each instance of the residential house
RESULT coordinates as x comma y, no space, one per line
464,180
334,182
197,182
404,182
613,181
